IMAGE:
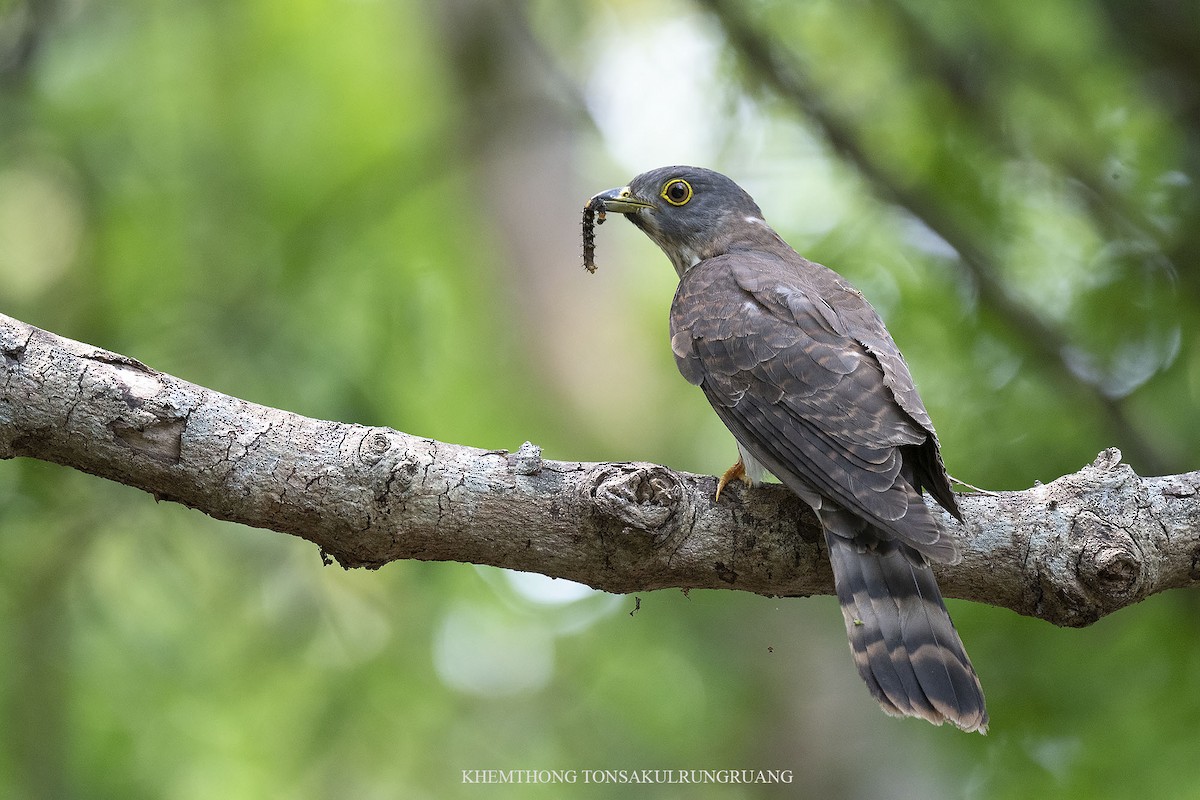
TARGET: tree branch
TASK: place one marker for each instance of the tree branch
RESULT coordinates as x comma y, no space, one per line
1068,552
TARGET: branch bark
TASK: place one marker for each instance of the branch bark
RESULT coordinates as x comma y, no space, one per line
1068,552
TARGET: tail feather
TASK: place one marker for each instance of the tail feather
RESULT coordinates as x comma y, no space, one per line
903,641
879,628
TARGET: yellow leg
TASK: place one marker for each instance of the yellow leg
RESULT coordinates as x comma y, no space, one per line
735,473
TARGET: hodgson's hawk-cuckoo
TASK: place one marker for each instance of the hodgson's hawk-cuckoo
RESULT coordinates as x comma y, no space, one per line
802,371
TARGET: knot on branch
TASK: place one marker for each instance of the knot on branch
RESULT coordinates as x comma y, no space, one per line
1107,478
1110,562
642,497
1086,562
374,446
13,341
392,467
527,460
1109,459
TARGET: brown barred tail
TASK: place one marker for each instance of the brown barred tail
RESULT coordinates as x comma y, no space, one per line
902,639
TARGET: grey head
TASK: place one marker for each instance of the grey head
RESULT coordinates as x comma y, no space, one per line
692,213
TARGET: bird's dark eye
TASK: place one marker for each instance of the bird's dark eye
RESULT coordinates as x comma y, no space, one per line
677,192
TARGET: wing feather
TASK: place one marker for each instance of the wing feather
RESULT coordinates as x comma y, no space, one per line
814,388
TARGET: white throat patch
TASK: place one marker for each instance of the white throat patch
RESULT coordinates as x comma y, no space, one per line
687,260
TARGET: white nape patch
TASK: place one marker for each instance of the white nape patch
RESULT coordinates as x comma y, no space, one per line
753,220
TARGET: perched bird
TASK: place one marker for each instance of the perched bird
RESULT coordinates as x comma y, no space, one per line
802,371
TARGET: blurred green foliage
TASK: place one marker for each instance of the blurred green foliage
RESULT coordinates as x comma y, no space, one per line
368,212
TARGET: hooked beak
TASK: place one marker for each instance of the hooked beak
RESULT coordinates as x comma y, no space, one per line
620,201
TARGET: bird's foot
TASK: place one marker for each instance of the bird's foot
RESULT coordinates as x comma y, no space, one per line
735,473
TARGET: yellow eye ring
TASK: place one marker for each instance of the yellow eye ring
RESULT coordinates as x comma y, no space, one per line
677,192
